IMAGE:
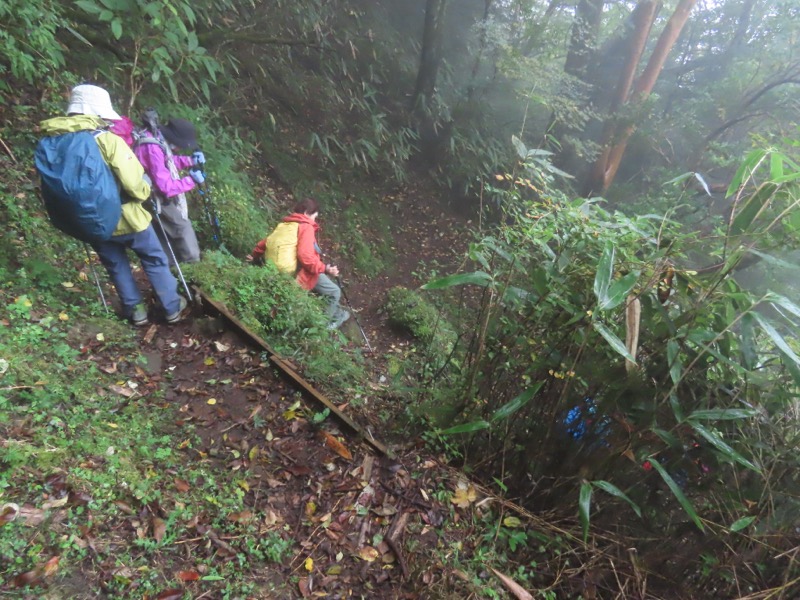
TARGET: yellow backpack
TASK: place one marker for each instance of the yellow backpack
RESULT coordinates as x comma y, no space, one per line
282,247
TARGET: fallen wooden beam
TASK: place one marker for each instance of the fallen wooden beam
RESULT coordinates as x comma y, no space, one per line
289,372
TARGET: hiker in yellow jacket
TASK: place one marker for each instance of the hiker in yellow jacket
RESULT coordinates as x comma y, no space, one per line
89,110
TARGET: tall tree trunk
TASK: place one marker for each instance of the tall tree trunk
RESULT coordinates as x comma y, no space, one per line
616,135
582,47
431,56
585,29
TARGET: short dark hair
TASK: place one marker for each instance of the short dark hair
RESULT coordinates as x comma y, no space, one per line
307,206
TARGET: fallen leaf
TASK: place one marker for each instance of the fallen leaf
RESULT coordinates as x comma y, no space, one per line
311,508
211,401
159,529
174,594
519,592
63,317
298,470
368,553
51,566
240,517
188,575
337,446
465,495
27,578
67,284
305,589
100,337
148,337
309,564
122,391
182,486
271,518
512,522
209,361
8,513
387,510
221,347
55,503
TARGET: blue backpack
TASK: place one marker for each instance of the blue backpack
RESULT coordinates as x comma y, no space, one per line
80,192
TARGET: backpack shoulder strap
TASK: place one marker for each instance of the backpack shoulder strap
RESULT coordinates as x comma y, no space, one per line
142,137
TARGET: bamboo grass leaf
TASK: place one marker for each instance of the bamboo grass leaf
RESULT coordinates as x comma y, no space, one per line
584,507
466,428
723,447
514,405
776,337
477,278
615,491
722,414
742,523
613,340
676,491
605,271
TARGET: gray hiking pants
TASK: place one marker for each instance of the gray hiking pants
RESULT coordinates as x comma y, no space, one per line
326,287
179,232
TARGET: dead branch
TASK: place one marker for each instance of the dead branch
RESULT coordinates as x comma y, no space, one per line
396,530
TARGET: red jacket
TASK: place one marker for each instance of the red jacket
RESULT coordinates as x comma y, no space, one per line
309,263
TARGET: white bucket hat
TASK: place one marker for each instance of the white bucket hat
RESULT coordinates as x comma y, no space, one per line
91,100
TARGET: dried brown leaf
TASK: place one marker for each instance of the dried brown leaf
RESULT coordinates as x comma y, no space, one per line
516,589
8,513
241,517
148,337
31,516
188,575
464,495
368,553
337,446
27,578
159,528
182,485
51,566
58,503
174,594
122,391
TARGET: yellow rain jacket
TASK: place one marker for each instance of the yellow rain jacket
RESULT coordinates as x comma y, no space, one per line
123,162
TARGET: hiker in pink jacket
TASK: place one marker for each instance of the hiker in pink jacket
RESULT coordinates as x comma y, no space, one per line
155,151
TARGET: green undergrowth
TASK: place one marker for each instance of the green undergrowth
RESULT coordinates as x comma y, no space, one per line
410,311
86,444
290,319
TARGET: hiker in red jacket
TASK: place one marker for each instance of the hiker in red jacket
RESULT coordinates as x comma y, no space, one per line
312,274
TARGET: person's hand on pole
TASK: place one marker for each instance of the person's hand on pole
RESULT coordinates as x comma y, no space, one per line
198,176
332,270
198,157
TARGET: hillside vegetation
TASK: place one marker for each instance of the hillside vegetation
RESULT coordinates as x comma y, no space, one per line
568,230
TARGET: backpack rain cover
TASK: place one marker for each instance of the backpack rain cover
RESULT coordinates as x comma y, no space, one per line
80,192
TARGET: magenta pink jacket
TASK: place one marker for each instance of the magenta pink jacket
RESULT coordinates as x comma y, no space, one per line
154,162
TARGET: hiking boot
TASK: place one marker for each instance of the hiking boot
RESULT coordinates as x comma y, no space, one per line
178,314
338,322
139,315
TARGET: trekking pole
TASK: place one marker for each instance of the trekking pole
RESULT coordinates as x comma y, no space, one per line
353,312
171,252
96,278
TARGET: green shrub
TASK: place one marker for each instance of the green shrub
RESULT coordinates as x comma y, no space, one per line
410,311
274,306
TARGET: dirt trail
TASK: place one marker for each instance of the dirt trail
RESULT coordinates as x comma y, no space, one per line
303,482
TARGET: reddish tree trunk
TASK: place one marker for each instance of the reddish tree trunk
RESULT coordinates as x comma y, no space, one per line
616,135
